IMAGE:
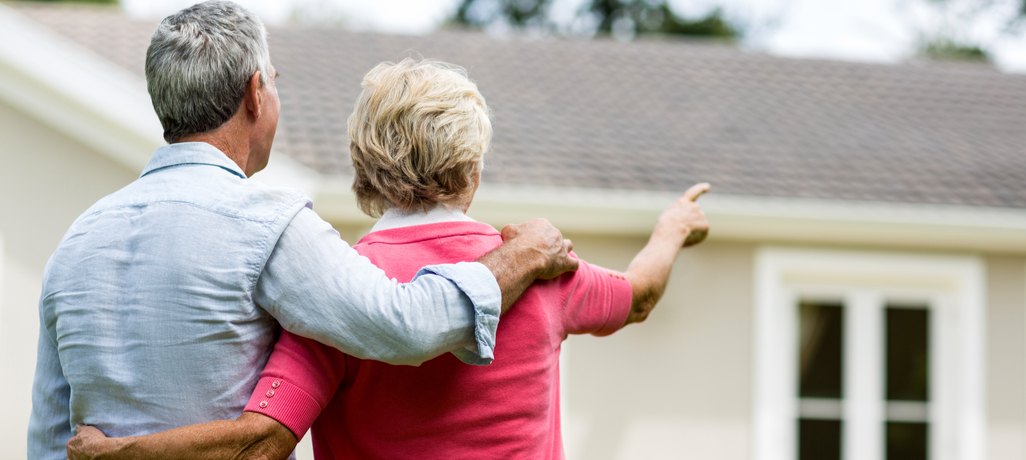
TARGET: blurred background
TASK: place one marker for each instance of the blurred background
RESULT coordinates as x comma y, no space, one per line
862,295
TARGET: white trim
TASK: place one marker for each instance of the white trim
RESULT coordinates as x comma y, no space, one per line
952,285
863,399
3,263
77,92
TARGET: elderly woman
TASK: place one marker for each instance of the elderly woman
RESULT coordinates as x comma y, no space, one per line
419,133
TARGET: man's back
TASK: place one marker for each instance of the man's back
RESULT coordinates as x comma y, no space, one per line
148,299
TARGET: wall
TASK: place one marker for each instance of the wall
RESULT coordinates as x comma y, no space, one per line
46,181
677,385
1006,353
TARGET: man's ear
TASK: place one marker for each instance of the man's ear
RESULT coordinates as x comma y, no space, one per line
254,98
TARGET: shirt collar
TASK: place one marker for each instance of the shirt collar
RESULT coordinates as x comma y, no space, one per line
191,153
396,218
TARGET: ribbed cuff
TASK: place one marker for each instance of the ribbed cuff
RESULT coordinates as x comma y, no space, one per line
286,403
480,286
620,302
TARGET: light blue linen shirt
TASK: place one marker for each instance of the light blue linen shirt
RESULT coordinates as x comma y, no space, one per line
159,305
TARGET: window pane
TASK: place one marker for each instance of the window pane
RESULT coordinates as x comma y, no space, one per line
908,357
820,350
819,439
906,441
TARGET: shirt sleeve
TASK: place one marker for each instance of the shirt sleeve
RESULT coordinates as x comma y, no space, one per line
299,380
50,423
597,300
318,287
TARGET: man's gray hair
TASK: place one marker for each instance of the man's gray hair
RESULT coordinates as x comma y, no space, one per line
198,64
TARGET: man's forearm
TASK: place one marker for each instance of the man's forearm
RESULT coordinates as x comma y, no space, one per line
514,271
251,436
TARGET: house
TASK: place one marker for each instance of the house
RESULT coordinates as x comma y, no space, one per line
862,293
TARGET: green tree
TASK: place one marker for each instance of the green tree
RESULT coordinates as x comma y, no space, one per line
951,41
643,17
620,17
518,13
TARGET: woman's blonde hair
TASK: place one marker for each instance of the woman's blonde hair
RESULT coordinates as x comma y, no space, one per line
417,136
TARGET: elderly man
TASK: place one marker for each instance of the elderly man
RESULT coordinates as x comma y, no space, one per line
159,306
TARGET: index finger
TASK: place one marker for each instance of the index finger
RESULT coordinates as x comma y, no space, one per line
696,191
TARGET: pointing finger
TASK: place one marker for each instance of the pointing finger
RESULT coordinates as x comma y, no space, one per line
696,191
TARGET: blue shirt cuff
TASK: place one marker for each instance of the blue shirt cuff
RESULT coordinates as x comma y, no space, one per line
479,285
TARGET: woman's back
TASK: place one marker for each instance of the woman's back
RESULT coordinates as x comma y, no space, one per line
447,409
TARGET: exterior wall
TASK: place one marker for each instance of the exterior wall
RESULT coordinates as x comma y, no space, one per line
46,181
1006,353
677,385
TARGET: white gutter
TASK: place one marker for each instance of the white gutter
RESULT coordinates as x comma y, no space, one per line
732,217
76,92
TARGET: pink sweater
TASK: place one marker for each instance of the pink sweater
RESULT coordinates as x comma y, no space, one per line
443,409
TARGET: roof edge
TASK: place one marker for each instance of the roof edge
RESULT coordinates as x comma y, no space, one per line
732,217
76,92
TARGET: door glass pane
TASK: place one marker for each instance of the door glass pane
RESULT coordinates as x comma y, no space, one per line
819,439
820,350
908,357
906,441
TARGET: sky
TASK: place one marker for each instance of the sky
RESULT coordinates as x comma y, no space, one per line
883,31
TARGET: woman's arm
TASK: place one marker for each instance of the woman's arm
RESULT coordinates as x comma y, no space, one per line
682,224
251,436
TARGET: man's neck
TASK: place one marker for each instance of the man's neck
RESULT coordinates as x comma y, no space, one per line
229,140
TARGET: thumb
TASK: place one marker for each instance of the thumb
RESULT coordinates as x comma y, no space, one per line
509,231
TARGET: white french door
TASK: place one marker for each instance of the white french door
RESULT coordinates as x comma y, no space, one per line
868,356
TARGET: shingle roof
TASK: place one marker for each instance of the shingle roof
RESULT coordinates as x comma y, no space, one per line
659,114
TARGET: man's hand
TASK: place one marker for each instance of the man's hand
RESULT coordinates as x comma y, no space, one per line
538,238
531,250
685,218
90,444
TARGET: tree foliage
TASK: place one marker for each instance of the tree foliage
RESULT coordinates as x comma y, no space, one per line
620,17
954,38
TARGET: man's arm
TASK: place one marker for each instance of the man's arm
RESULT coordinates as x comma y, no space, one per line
251,436
682,224
319,287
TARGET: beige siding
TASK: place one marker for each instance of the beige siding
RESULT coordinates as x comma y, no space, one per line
1006,357
46,181
679,382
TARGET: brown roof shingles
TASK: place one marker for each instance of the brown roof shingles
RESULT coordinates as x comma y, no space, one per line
660,114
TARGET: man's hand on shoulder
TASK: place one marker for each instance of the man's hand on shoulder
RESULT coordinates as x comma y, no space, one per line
529,251
542,245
